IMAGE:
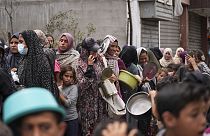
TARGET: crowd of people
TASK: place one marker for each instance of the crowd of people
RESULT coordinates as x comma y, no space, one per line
53,90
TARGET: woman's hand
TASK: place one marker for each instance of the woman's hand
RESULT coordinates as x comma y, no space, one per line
62,97
152,94
191,60
91,60
113,78
118,129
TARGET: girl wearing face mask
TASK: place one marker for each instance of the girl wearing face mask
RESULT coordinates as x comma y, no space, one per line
34,69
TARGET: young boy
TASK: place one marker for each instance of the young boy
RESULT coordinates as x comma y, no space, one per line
34,112
182,109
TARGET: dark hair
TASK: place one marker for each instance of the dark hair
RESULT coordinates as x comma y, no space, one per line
66,68
126,56
199,55
49,35
173,98
173,67
119,47
79,47
158,54
197,77
168,80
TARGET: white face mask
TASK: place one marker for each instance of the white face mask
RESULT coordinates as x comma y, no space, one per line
22,50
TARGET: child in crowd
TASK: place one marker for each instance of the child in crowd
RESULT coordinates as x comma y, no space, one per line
182,109
161,74
68,96
118,50
172,69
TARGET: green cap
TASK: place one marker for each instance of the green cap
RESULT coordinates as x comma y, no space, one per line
28,101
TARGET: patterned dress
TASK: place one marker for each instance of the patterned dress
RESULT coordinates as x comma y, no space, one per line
34,70
91,106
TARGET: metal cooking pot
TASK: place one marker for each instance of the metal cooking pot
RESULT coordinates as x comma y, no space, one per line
139,105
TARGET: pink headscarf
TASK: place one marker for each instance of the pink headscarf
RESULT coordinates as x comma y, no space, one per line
70,41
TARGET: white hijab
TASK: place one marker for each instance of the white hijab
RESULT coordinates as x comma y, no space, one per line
139,51
177,58
163,61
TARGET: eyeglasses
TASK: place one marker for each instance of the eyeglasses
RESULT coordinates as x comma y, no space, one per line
62,40
14,42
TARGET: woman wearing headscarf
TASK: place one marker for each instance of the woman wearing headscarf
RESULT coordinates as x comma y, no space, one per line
13,57
143,59
195,61
109,49
167,58
157,52
34,70
91,105
66,53
50,41
177,58
144,56
42,37
130,60
131,66
5,77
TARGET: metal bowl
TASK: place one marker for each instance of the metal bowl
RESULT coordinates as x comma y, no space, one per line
138,104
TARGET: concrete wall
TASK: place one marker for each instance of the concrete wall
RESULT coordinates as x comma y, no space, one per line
108,16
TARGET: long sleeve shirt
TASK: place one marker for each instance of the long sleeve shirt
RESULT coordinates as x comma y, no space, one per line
71,95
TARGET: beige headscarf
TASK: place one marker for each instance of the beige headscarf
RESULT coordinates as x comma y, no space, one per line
41,36
177,58
163,61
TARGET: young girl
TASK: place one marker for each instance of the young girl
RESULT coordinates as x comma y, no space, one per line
161,74
68,96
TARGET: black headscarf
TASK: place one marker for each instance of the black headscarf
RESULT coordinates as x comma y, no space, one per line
13,59
129,55
158,54
35,70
